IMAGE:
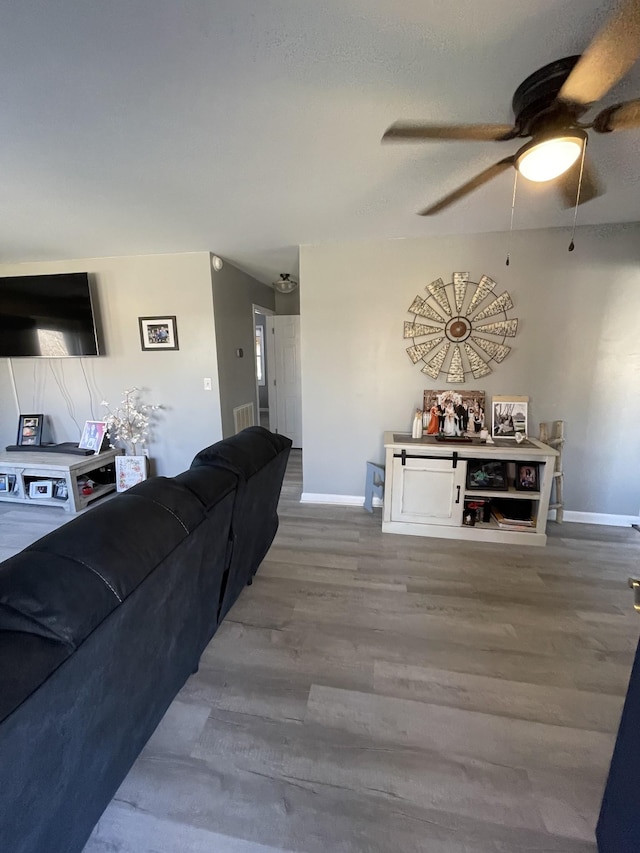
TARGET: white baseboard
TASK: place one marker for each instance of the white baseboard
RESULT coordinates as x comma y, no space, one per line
598,518
569,515
338,500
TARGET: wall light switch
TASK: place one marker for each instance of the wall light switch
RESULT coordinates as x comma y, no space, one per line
207,384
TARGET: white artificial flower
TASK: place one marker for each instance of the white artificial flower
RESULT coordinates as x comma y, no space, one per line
130,422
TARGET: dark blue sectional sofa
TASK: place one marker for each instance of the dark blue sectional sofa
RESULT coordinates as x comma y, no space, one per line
103,620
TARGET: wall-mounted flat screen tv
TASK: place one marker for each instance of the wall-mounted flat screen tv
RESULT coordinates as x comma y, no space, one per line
47,315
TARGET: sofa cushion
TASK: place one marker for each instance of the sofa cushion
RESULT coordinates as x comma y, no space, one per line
121,540
52,596
280,442
172,498
245,453
208,484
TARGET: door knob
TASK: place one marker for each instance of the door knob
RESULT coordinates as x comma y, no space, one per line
634,583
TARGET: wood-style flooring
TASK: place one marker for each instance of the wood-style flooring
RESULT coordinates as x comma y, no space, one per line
376,693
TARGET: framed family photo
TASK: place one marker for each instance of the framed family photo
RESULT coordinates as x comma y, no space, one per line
527,477
485,474
30,430
509,417
454,413
93,436
60,490
158,333
41,489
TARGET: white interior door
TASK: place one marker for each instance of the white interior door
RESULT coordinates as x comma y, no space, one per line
288,382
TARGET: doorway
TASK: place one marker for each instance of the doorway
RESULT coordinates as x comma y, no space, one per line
287,386
263,361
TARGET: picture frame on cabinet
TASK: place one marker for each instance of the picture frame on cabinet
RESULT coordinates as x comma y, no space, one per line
93,436
487,474
4,484
60,490
509,417
41,489
30,430
527,477
454,413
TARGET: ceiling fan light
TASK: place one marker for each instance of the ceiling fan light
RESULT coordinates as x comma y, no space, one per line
544,160
285,284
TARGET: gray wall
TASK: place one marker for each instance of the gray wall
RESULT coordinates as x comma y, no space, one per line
128,288
288,303
577,353
234,293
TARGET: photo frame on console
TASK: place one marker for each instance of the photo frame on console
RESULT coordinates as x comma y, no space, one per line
93,436
30,430
60,490
4,484
41,489
483,474
509,417
527,477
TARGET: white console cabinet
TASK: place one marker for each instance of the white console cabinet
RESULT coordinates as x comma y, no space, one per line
427,487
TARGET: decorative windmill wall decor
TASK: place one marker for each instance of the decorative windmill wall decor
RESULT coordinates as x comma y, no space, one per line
457,331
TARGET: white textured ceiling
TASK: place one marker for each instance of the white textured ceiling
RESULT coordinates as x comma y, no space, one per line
247,127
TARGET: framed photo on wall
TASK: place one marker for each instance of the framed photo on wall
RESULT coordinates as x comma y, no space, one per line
30,430
158,333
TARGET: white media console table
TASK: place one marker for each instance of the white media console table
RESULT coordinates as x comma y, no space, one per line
427,487
19,469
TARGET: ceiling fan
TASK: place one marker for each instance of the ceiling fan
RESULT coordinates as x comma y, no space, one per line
548,106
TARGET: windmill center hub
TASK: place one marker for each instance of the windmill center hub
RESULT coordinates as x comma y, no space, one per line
458,329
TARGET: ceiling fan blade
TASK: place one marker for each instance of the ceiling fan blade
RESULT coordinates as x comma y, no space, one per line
624,116
607,59
412,131
568,184
469,187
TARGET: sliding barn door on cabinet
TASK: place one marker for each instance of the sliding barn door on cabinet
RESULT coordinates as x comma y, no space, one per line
428,491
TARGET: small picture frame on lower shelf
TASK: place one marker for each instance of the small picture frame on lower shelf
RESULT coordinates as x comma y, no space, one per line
60,491
41,489
4,484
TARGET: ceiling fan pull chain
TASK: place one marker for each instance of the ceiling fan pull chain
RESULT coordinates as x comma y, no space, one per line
513,207
575,212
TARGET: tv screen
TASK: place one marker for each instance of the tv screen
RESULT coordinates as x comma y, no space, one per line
47,315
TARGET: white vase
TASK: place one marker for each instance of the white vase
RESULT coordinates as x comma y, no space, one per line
416,431
130,470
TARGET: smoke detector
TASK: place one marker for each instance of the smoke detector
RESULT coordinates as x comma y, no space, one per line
285,284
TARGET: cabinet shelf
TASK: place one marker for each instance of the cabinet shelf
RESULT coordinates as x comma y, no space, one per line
511,492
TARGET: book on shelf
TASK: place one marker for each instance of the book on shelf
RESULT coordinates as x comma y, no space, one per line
514,515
